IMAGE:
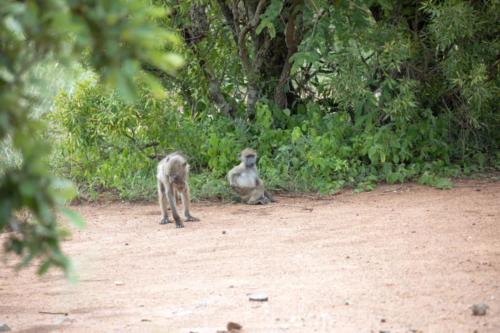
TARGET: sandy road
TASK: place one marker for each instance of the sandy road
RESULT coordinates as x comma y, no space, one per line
403,258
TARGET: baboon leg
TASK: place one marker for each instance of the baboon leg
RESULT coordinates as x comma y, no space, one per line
243,194
163,203
177,195
257,197
269,196
186,202
171,201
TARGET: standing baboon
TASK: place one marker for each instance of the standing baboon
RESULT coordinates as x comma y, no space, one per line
172,178
244,180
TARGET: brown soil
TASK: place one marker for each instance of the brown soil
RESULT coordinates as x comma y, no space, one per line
402,258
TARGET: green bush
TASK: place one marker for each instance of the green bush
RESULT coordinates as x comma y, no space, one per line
105,145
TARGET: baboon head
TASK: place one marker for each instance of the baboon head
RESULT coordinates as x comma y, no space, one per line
179,173
249,157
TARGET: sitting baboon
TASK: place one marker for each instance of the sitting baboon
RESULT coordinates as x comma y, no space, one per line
244,180
172,178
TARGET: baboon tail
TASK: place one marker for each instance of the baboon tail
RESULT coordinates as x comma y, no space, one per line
269,196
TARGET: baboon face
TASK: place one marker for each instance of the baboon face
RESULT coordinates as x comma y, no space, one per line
249,157
178,180
250,161
179,175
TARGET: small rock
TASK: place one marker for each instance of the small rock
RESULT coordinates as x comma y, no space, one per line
384,331
382,320
347,302
232,326
4,327
62,319
258,297
145,319
223,232
119,283
479,309
347,257
126,244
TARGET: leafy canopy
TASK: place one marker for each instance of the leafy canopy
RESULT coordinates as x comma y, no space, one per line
116,39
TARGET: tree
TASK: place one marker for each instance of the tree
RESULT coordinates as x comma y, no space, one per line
115,38
260,38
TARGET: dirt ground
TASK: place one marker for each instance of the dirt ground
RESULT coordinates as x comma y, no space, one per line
403,258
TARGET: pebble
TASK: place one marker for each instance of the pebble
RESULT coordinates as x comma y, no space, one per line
119,283
479,309
60,320
258,297
232,326
4,327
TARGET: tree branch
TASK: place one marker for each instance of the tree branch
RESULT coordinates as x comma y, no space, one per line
243,52
292,46
228,15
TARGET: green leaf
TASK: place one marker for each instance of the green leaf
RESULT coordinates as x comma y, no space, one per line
296,134
124,85
44,267
15,27
63,189
74,217
267,18
428,178
28,188
155,85
443,183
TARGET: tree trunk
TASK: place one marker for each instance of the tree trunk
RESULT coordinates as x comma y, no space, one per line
292,40
265,61
252,99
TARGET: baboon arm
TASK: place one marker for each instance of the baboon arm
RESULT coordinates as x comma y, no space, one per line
186,202
258,182
232,178
257,197
171,201
163,202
